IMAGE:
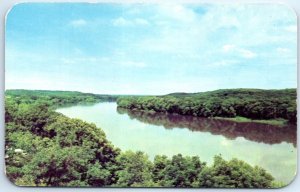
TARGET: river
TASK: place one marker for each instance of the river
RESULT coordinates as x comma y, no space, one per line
268,146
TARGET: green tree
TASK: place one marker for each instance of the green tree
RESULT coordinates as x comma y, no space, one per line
178,172
135,170
233,174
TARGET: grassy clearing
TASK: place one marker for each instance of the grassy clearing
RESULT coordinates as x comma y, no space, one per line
278,122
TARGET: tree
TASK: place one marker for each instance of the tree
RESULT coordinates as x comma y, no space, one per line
56,166
233,174
178,172
135,170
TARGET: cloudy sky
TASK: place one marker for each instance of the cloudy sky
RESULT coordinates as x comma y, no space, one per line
150,49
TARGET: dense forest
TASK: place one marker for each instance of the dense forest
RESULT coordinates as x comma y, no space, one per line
57,98
46,148
249,103
258,132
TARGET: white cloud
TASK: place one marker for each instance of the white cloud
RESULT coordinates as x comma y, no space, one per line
224,63
133,64
78,23
84,59
246,30
177,12
140,21
239,51
181,37
227,48
121,21
282,50
291,28
67,61
247,53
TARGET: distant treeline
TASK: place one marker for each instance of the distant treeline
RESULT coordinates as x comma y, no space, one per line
258,132
46,148
57,98
250,103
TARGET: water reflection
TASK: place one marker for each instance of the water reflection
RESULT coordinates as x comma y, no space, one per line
140,131
258,132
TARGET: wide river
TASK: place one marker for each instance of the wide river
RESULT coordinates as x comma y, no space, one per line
271,147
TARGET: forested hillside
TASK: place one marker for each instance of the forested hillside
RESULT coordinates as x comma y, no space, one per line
57,98
46,148
250,103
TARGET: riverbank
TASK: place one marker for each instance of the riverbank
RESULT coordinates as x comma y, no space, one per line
259,105
239,119
71,152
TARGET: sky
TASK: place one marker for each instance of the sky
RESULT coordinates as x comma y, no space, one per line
150,48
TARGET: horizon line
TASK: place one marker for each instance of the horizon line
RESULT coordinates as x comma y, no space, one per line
148,94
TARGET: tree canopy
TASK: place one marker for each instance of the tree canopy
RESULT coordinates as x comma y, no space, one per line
250,103
46,148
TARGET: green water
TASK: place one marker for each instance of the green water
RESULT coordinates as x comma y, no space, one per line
271,147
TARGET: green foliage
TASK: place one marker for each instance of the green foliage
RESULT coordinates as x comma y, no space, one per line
135,170
250,103
178,172
45,148
233,174
56,166
56,98
276,122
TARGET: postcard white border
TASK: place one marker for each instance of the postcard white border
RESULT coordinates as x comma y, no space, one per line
6,5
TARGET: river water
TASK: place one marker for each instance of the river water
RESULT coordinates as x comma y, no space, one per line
268,146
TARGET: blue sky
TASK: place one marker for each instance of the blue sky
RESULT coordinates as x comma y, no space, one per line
150,48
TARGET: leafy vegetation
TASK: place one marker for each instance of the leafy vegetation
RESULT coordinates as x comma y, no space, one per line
46,148
249,103
57,98
276,122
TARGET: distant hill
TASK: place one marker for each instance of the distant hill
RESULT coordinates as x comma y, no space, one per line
239,93
250,103
57,97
